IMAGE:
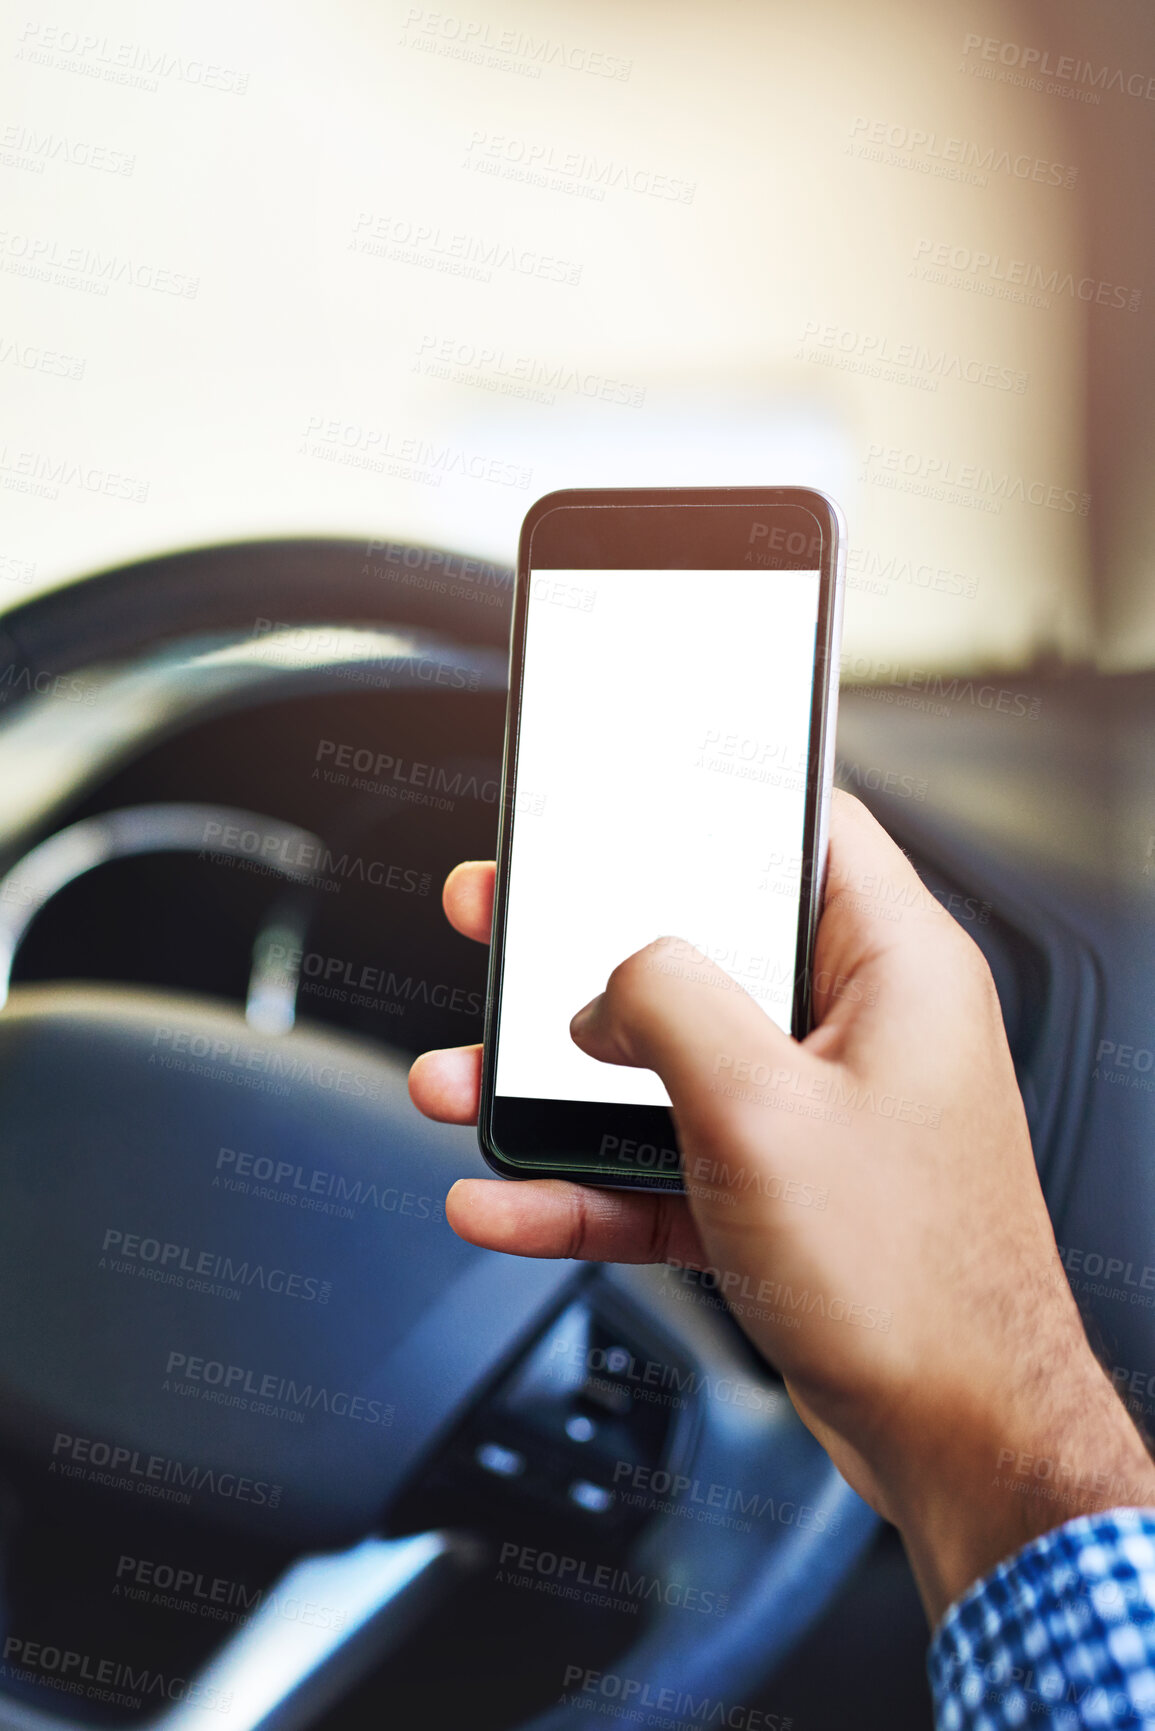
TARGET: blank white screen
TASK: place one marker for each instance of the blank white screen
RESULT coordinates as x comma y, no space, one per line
661,787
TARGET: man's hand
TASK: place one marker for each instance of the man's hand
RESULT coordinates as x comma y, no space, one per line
921,1317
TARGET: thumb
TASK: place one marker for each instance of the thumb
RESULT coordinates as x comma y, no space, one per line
668,1008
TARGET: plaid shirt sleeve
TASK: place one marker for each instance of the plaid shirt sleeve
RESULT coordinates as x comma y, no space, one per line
1060,1637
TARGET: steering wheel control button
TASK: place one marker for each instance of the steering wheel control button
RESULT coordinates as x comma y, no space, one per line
506,1463
595,1498
616,1400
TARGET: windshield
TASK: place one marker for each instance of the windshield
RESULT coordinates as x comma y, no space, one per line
395,273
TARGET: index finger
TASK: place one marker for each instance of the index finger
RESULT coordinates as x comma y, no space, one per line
468,898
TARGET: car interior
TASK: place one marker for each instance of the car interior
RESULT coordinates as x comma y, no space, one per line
276,1447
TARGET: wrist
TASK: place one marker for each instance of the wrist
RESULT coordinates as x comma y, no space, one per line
1006,1472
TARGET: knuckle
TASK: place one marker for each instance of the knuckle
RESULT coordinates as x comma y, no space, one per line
626,986
578,1226
660,1230
972,966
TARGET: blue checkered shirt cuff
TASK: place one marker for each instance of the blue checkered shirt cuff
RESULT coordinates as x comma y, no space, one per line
1061,1635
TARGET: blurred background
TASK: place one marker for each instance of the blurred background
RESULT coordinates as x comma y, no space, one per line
352,276
394,271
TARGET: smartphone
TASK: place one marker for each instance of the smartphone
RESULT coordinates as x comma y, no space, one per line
669,751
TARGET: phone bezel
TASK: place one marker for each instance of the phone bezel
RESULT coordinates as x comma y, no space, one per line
555,1120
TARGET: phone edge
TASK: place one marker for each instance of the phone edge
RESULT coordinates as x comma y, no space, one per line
567,496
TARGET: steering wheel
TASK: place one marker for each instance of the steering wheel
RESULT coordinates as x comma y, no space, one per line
233,1309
